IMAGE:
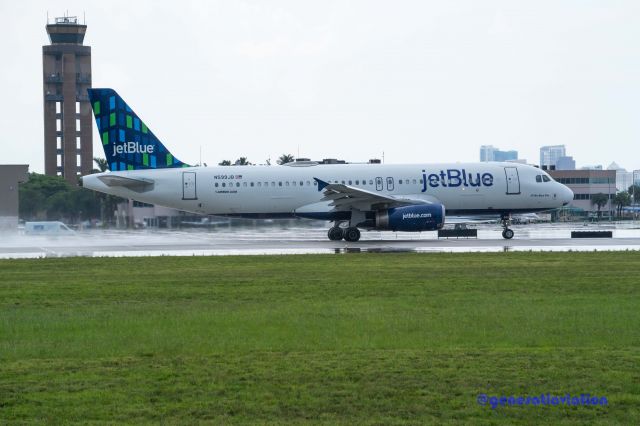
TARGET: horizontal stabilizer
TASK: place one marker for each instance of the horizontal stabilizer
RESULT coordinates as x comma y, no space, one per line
134,184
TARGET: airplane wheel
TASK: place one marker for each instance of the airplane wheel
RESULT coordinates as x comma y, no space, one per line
507,234
352,234
335,233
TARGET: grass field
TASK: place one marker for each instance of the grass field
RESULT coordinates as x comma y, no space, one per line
366,338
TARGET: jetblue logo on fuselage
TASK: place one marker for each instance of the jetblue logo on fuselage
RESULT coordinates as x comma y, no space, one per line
133,148
453,178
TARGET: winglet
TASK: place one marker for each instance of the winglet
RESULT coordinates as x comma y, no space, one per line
321,184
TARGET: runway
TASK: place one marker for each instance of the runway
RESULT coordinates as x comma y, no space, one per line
302,240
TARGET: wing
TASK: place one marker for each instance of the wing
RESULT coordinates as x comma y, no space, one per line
345,197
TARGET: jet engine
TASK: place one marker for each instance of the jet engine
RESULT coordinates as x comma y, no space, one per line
423,217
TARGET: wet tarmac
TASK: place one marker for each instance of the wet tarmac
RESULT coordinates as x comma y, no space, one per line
303,240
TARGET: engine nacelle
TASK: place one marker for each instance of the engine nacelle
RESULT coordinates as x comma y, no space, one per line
424,217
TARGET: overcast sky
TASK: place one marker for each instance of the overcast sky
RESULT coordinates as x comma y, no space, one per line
421,81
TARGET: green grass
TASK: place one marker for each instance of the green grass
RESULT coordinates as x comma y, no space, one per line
368,338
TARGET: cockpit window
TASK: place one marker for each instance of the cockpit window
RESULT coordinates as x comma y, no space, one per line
538,178
546,178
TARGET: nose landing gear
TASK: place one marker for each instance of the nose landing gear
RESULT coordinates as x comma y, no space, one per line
507,233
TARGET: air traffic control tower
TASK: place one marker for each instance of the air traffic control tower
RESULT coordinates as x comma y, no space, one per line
68,126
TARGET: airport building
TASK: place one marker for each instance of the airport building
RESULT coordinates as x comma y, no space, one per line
68,119
585,184
10,176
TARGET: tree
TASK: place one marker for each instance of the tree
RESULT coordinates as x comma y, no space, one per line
622,199
285,158
242,161
599,200
224,163
634,191
45,197
102,164
52,198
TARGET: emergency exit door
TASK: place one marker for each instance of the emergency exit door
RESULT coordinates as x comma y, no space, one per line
390,185
379,184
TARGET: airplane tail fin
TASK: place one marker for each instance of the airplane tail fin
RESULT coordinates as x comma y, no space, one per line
128,143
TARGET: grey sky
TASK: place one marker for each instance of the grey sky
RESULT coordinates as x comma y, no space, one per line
422,81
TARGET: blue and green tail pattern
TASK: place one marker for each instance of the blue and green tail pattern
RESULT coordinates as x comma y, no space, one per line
127,141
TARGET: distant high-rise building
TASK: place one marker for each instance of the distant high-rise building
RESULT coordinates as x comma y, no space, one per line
491,153
624,179
549,155
566,163
68,127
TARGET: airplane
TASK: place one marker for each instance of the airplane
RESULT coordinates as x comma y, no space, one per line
408,197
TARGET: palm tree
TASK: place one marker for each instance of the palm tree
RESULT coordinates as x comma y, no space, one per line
599,200
634,190
622,199
224,163
285,158
102,164
242,161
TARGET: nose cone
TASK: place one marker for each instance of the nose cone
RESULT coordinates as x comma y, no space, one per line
566,195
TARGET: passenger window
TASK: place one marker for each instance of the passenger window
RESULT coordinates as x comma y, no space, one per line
237,184
273,184
309,183
224,184
216,184
400,181
370,182
414,181
252,184
301,183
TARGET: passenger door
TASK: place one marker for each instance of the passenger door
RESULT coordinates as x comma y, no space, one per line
189,186
513,180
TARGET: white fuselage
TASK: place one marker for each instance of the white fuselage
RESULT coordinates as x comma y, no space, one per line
276,191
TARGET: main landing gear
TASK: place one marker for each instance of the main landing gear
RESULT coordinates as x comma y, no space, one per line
507,233
350,234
